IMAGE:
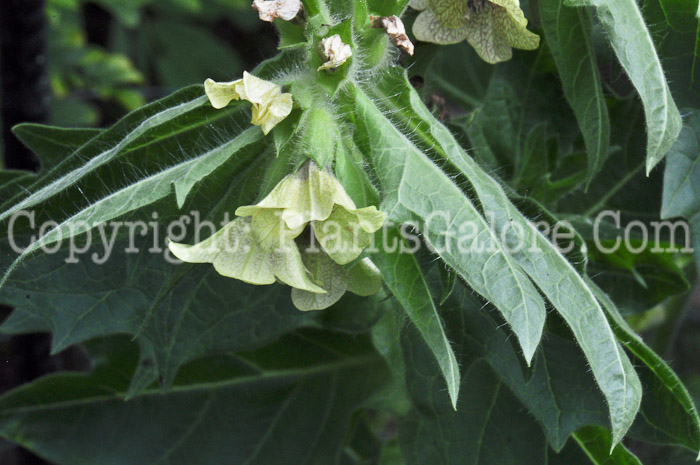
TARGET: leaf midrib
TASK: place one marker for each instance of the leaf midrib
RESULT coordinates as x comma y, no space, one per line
369,360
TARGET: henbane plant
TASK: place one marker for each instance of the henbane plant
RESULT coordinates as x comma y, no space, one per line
320,168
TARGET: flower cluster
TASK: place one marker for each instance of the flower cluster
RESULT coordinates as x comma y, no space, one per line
261,247
492,27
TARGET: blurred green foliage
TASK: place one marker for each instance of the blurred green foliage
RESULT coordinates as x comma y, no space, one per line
109,57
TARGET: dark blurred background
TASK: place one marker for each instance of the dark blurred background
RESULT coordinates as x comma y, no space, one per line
77,63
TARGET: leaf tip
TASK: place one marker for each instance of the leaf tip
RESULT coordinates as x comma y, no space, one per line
650,166
529,352
181,193
453,388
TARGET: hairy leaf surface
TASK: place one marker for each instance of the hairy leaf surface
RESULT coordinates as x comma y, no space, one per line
635,50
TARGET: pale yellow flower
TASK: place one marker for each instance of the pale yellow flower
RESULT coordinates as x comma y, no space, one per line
492,27
334,52
362,278
260,247
270,104
316,197
235,253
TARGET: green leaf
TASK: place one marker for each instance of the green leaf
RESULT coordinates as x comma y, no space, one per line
558,391
143,128
668,413
680,14
488,125
387,7
455,71
676,31
142,179
174,48
488,426
636,281
176,313
568,34
414,189
681,194
570,296
53,144
574,453
635,50
405,279
532,253
595,442
622,184
295,396
180,178
13,182
521,131
127,12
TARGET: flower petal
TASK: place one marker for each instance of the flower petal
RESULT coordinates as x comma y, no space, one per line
269,229
428,28
364,278
513,8
334,51
256,90
395,30
235,253
370,219
484,35
452,14
418,4
222,93
286,263
512,26
345,234
267,117
304,196
341,236
283,9
270,105
327,274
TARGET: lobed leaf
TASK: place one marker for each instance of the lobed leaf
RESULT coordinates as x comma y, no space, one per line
405,280
530,252
415,189
681,191
670,415
488,426
242,408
